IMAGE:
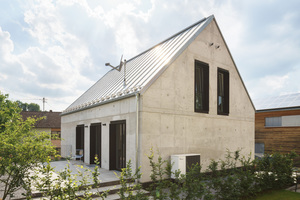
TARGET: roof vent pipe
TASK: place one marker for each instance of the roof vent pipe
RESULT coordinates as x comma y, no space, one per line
124,63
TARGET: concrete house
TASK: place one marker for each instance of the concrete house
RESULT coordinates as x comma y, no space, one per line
184,95
277,124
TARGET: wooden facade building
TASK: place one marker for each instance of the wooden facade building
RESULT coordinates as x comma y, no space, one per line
278,128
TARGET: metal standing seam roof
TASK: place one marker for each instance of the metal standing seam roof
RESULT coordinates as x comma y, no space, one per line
141,70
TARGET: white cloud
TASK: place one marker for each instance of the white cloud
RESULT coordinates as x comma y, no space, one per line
7,46
68,41
52,68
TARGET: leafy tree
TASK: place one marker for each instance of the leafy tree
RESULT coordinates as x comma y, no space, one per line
33,107
28,107
21,148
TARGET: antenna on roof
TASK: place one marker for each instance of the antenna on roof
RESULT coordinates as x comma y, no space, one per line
122,63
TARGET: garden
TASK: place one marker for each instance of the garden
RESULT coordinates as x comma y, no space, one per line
25,163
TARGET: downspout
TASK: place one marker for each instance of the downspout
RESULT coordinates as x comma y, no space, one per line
137,132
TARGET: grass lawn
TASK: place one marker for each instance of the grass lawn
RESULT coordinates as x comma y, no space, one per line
279,195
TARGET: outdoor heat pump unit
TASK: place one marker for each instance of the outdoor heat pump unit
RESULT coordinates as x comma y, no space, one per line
183,162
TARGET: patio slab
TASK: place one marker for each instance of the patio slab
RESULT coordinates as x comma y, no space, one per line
76,166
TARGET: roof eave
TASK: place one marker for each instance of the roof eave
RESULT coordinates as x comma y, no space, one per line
101,103
278,109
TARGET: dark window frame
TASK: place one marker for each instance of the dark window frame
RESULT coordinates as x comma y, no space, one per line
113,145
79,138
224,92
95,142
201,70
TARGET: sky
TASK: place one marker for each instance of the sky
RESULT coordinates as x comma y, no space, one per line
57,49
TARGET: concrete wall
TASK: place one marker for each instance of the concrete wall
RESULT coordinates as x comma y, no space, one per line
168,121
120,110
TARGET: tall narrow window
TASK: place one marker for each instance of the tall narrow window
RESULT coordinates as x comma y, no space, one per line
223,92
201,87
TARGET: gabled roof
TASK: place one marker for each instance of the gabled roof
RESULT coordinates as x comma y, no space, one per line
51,119
141,70
282,102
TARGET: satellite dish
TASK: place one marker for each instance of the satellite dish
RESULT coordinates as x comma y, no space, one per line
121,64
118,67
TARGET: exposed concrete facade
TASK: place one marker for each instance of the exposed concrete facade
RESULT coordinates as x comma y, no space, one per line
167,121
114,111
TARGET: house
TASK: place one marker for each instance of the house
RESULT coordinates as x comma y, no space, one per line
277,124
184,95
50,123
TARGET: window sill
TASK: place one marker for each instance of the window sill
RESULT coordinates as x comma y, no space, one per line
225,114
198,111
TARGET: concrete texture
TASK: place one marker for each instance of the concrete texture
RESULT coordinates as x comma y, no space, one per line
76,166
119,110
167,121
292,188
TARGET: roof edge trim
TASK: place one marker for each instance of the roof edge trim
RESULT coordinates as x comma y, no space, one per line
238,72
278,109
101,103
209,19
170,37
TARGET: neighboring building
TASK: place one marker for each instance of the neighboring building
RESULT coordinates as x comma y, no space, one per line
277,124
184,95
50,124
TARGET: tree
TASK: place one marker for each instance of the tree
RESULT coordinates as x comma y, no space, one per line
21,148
28,107
33,107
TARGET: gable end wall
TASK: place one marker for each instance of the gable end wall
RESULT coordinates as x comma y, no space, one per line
168,121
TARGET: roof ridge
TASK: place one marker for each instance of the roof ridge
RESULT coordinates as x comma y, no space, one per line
178,33
141,79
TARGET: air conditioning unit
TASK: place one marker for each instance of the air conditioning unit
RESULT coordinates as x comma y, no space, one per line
183,162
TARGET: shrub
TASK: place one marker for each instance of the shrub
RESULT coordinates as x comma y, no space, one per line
21,148
275,170
129,190
66,184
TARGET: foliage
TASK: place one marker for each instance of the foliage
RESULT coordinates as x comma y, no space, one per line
21,148
190,186
275,171
128,189
28,107
67,185
228,181
194,186
159,182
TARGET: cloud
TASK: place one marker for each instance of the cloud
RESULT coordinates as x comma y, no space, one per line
57,49
275,85
50,69
7,46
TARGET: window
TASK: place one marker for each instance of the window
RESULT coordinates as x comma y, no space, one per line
201,87
260,148
283,121
223,92
273,121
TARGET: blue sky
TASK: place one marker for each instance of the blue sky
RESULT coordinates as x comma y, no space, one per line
58,49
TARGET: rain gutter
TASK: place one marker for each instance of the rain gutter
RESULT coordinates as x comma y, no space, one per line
137,95
100,103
